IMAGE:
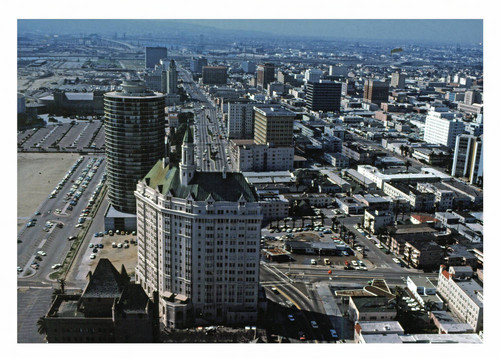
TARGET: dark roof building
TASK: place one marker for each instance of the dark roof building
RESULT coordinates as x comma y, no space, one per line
111,309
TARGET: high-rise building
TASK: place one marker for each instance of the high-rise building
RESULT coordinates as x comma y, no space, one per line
265,74
134,123
313,75
198,239
197,64
155,79
323,96
240,118
338,71
214,75
398,80
273,126
376,91
471,97
154,55
468,158
441,127
171,78
248,66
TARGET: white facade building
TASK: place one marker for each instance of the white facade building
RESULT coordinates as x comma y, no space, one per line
248,157
240,119
198,239
463,295
441,127
313,75
468,158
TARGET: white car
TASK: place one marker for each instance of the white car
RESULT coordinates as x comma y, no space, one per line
41,253
92,256
396,260
56,266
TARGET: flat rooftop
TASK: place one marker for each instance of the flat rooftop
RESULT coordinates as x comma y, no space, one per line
274,111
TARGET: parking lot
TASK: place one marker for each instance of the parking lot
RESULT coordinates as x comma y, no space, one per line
272,239
125,252
68,136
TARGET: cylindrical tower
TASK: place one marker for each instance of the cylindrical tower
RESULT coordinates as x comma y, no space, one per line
134,122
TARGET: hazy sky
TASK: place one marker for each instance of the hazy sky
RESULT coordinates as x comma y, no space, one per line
449,31
423,30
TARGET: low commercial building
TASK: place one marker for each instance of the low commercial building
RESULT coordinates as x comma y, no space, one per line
426,175
74,103
363,329
273,205
350,205
360,179
338,160
424,291
372,309
446,324
463,295
335,178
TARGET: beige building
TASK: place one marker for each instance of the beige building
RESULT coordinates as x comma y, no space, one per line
273,126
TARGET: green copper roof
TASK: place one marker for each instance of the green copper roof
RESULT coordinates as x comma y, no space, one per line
202,185
188,136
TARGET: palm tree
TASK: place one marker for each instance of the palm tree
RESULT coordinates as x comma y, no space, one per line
407,165
42,325
322,217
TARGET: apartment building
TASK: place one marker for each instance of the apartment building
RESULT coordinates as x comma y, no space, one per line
463,295
419,201
240,118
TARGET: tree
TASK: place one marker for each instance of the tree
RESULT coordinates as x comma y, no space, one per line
407,165
42,325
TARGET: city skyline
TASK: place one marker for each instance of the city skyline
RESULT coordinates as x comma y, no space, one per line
317,185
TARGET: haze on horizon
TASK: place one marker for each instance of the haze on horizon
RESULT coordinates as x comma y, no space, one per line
452,31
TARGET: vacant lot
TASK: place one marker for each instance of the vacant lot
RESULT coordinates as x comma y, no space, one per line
37,175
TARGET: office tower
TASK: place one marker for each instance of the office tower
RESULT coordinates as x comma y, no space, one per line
248,66
398,80
240,118
376,91
338,71
154,55
155,79
134,123
273,126
313,75
265,74
471,97
197,64
468,158
214,75
171,78
441,127
198,239
323,96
